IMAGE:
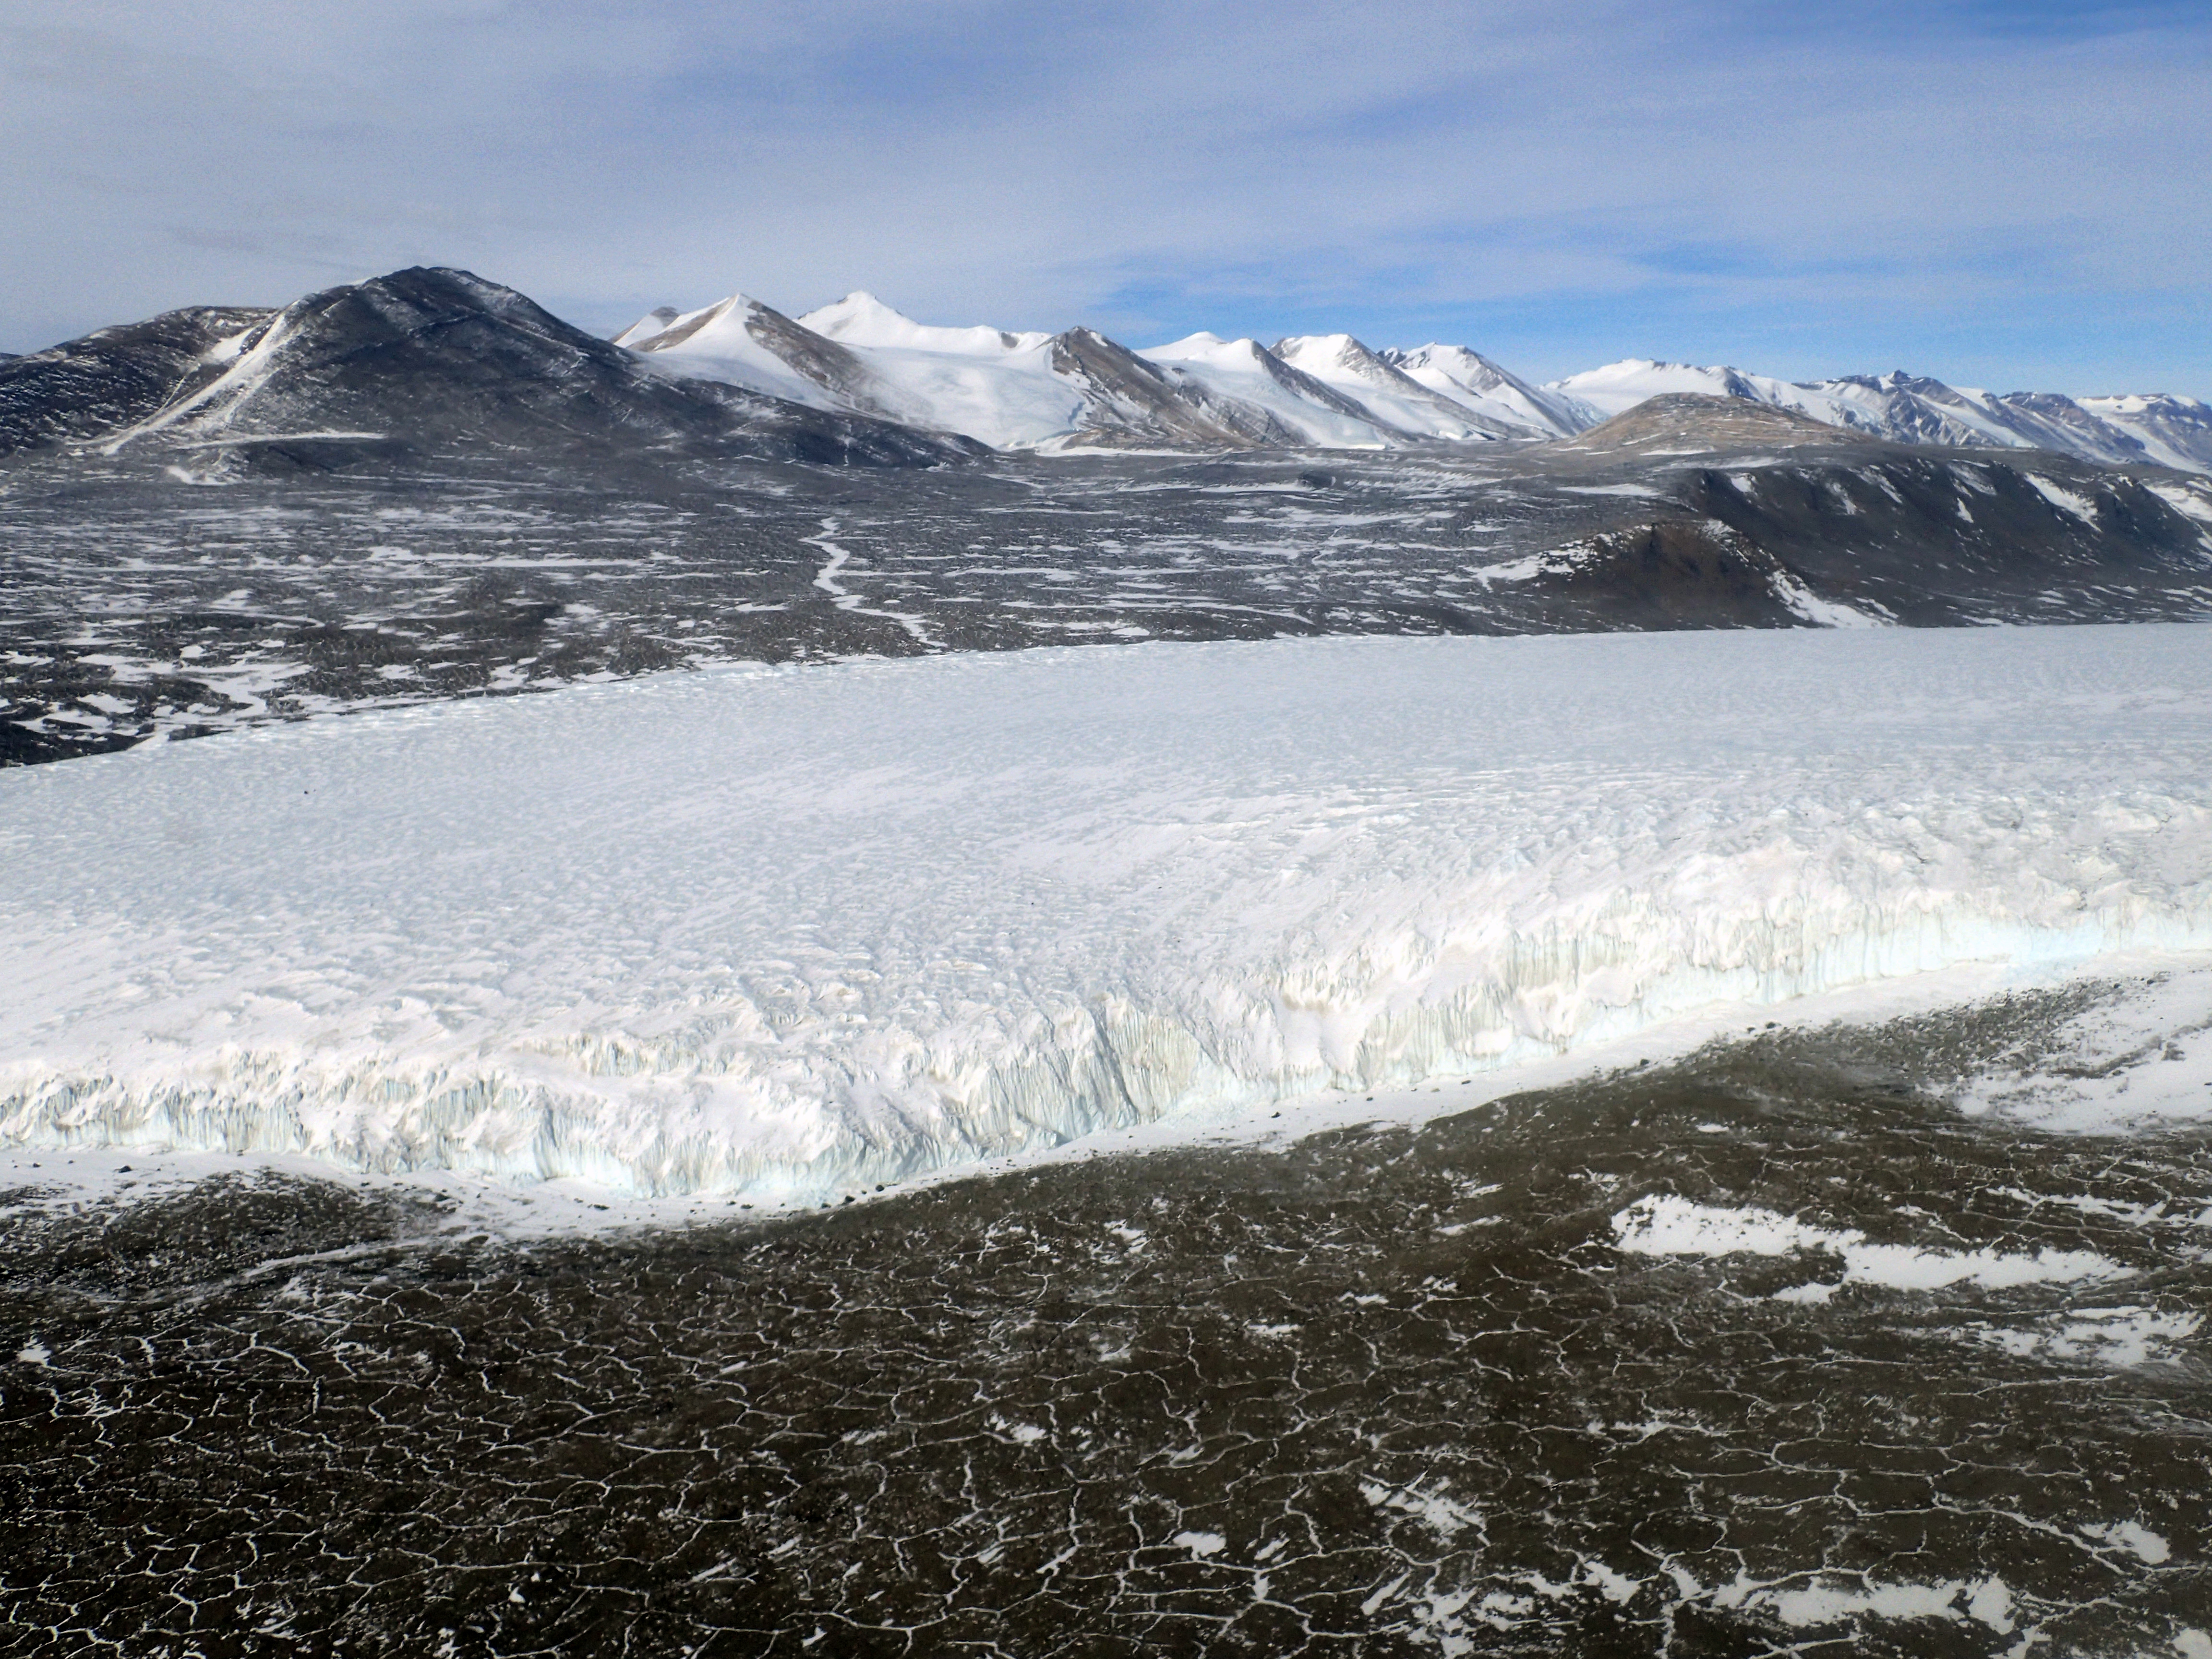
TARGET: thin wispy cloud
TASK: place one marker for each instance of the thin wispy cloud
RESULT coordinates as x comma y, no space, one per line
2012,193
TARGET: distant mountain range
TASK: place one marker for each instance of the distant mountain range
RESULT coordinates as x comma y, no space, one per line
426,359
2164,430
1080,390
419,362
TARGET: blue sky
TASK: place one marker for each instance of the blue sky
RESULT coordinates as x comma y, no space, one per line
2012,195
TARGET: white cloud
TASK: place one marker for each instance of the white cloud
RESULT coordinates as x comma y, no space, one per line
1133,165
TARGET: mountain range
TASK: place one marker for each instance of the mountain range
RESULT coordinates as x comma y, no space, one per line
431,487
425,359
418,361
1080,390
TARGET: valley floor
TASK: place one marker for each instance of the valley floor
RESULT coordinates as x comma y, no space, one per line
1769,1348
135,602
1882,1334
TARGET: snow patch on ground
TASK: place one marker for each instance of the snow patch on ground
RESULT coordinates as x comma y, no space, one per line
1824,613
1670,1225
1831,1601
2139,1061
2138,1539
2064,499
2116,1337
1440,1513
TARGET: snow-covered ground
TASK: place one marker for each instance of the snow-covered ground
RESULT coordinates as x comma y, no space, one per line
788,930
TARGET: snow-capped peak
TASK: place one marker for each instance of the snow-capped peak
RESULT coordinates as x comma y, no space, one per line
1312,351
1301,408
862,319
1468,369
665,327
741,342
1205,348
1476,384
1345,364
1616,387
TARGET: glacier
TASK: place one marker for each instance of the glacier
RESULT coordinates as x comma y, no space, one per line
788,932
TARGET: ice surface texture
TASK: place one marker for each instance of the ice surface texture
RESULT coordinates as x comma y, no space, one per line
789,931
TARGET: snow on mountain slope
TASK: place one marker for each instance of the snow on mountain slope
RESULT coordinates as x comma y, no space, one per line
2175,432
2048,421
113,377
1033,391
999,388
859,355
1617,387
741,342
786,931
1246,372
862,319
1916,410
1470,379
1340,361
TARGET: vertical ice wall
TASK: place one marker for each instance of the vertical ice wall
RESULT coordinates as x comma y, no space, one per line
789,929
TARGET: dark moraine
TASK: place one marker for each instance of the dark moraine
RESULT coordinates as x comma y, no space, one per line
1383,1390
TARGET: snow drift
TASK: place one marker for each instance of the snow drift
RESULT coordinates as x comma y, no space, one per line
786,930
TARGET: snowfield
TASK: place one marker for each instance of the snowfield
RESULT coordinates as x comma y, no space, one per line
785,931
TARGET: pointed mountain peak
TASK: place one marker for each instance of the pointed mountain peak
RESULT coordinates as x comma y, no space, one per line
653,322
1310,351
665,327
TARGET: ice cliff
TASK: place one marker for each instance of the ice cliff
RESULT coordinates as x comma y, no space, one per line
788,930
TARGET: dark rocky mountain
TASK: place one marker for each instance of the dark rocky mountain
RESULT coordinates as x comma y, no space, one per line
419,363
111,379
